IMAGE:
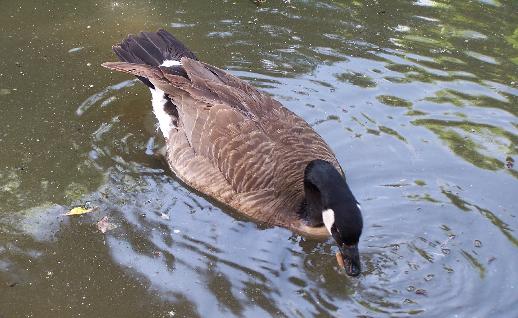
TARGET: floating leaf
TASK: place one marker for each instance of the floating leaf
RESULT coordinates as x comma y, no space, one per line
78,211
104,225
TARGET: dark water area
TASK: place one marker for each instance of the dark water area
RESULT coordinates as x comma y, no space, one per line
418,99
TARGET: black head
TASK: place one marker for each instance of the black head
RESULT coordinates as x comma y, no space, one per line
329,199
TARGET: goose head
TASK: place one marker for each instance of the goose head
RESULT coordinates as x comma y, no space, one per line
329,200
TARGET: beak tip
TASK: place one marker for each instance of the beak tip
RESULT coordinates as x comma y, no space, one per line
351,260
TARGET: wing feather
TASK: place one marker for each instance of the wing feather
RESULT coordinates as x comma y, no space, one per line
247,138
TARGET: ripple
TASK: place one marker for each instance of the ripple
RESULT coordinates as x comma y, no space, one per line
481,57
393,101
471,141
103,97
417,99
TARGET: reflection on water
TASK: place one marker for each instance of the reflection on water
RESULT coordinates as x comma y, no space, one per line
418,100
479,144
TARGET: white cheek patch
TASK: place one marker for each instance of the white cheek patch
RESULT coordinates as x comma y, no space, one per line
329,219
169,63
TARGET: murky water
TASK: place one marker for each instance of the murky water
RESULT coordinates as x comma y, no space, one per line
418,99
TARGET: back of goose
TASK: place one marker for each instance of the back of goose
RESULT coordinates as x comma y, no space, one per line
241,147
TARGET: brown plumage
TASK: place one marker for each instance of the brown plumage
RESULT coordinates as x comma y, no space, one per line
230,141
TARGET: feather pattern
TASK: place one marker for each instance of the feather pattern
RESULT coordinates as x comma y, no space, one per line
233,142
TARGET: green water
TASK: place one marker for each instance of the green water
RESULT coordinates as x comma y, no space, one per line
418,99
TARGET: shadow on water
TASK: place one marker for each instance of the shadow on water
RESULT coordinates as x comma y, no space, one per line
417,99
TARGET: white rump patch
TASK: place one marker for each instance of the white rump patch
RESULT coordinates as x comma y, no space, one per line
329,219
164,120
359,206
169,63
158,100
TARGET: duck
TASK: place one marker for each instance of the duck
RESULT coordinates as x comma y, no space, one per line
242,148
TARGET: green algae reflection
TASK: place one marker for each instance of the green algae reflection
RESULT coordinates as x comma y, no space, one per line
394,101
479,144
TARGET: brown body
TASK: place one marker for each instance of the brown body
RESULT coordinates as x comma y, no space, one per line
236,144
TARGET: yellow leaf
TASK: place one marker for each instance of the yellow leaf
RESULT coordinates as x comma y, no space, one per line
78,211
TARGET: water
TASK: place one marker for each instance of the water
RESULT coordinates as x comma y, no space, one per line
417,99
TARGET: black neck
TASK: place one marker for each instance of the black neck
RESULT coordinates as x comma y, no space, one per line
323,185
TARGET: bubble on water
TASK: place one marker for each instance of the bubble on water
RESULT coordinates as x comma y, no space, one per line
448,269
421,291
408,301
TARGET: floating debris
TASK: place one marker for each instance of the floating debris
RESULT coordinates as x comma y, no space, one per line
79,211
105,225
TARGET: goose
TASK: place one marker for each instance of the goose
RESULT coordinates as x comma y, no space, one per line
239,146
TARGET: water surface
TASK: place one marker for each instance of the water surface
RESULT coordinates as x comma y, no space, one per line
417,98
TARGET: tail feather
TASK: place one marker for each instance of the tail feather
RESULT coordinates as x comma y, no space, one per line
146,55
152,48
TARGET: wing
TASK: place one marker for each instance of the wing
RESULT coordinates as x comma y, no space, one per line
259,147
